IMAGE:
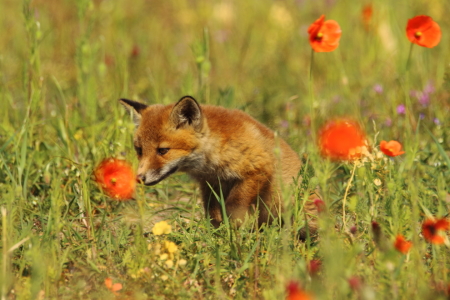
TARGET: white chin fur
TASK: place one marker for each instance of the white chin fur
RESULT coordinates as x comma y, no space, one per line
155,176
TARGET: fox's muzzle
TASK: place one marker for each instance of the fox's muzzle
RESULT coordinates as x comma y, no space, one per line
155,176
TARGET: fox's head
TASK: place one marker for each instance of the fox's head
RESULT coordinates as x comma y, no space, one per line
166,137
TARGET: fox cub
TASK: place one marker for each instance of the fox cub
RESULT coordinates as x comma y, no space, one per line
228,152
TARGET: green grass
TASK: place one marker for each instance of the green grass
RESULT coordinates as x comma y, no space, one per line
64,65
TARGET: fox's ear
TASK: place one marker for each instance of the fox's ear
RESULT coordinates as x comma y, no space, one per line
135,109
187,112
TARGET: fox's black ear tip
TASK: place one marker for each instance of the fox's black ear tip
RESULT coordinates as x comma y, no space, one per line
130,103
187,97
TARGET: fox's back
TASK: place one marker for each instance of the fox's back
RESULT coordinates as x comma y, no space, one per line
247,146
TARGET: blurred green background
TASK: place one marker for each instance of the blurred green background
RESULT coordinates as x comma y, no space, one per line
78,57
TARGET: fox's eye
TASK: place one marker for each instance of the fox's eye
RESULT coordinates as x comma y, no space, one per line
138,150
162,151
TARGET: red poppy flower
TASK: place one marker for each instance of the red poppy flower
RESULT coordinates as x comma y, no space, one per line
113,287
296,293
324,35
355,283
314,267
423,31
401,244
376,230
391,148
431,228
135,51
342,140
320,205
116,178
366,14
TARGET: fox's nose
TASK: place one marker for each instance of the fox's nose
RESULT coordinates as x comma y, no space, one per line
140,178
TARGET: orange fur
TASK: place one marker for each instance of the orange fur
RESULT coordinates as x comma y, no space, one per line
225,151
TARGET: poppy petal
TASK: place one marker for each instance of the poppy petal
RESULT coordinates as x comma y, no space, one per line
431,36
431,228
442,224
401,244
116,287
391,148
108,283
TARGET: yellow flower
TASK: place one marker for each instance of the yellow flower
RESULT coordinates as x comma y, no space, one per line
78,135
169,263
170,246
182,262
156,249
161,228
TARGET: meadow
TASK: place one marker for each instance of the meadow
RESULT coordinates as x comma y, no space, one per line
64,65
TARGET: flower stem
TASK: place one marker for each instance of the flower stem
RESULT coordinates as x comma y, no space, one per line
412,121
311,96
408,62
344,201
310,70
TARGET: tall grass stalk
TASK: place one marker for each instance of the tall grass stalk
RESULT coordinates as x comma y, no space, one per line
344,200
311,97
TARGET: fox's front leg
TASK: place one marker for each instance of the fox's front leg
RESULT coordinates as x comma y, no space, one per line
211,204
247,195
213,209
239,198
